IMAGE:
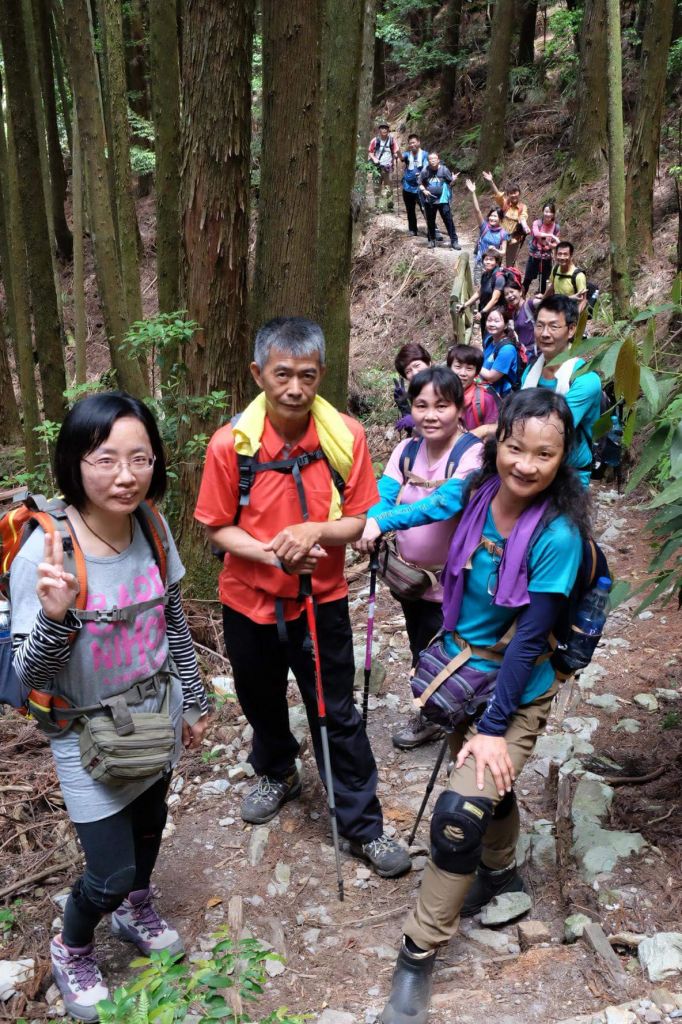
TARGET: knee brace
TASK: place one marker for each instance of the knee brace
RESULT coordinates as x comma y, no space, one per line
458,825
505,807
102,895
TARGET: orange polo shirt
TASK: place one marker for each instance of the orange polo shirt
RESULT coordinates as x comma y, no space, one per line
251,587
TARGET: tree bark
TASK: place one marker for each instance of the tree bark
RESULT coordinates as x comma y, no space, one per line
646,132
137,61
285,277
92,137
34,214
379,74
529,15
589,142
448,78
165,73
366,76
340,80
119,154
79,316
215,188
15,278
61,81
491,141
10,427
620,283
55,159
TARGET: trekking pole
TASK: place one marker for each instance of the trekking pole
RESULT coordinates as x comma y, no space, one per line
306,592
429,789
373,569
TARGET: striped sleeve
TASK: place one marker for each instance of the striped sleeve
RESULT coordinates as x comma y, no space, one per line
41,654
184,656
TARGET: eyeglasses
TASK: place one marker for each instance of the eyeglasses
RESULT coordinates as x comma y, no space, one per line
138,465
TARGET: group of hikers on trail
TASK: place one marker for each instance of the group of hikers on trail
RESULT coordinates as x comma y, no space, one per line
427,184
486,501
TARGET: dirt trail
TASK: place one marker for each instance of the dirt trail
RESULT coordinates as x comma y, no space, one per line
443,252
341,955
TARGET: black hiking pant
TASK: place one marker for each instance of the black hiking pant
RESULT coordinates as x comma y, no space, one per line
423,619
413,200
446,216
261,663
120,854
536,268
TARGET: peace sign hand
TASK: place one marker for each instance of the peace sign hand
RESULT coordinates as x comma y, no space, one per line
487,175
57,590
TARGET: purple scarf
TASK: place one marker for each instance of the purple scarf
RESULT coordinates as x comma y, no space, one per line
512,589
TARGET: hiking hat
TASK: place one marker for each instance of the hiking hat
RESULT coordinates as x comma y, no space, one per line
383,124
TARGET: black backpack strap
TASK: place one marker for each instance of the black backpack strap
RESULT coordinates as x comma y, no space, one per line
249,466
461,446
409,455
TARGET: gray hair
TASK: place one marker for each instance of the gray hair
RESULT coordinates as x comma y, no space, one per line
293,335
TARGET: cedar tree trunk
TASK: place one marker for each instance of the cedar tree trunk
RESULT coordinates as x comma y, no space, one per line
620,283
448,78
491,142
589,141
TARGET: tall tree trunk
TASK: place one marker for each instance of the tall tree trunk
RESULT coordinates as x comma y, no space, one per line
287,217
340,79
529,16
215,186
61,82
79,315
165,74
15,278
119,154
620,283
646,132
34,214
589,142
491,142
640,22
137,61
88,109
448,78
41,25
10,427
379,75
366,77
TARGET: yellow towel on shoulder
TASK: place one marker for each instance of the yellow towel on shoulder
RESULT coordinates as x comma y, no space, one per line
335,437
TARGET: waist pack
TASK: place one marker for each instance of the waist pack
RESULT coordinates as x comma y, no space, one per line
446,690
119,748
406,581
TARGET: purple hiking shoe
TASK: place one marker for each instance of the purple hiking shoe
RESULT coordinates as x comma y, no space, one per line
138,921
78,978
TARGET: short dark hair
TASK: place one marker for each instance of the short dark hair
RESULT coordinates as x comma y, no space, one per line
491,251
495,209
445,383
413,135
566,245
560,304
408,353
467,354
86,426
551,205
512,187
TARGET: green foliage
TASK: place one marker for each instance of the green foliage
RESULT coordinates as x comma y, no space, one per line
166,990
375,388
416,54
140,126
675,61
142,161
671,720
560,55
8,919
627,355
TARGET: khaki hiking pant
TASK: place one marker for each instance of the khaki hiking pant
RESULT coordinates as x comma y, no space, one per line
436,917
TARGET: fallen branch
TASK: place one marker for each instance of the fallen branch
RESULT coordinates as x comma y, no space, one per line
634,780
378,919
37,876
402,287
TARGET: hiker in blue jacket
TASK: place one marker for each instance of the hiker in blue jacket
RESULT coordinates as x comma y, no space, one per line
415,160
435,183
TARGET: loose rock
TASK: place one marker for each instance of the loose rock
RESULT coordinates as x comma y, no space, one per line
499,941
574,926
619,1015
667,695
557,748
335,1017
257,844
241,771
506,907
608,702
531,933
214,787
13,973
646,701
629,725
661,955
591,801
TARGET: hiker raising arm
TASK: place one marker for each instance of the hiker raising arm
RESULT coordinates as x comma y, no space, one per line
285,486
491,233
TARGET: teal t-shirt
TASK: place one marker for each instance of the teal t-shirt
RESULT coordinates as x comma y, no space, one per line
553,565
584,401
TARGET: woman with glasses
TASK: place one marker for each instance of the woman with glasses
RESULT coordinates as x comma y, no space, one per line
109,459
512,563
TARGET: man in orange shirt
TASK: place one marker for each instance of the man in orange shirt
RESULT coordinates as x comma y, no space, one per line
285,487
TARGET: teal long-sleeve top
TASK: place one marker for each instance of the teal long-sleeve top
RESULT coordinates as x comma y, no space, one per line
444,503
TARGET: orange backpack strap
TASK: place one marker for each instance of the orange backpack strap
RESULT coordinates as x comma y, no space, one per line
156,534
54,519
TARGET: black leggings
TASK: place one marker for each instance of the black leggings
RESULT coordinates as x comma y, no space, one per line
536,268
423,619
120,854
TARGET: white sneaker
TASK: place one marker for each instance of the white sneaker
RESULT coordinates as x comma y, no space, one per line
78,978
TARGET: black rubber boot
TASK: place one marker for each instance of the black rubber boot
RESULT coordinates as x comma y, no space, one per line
410,995
488,884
